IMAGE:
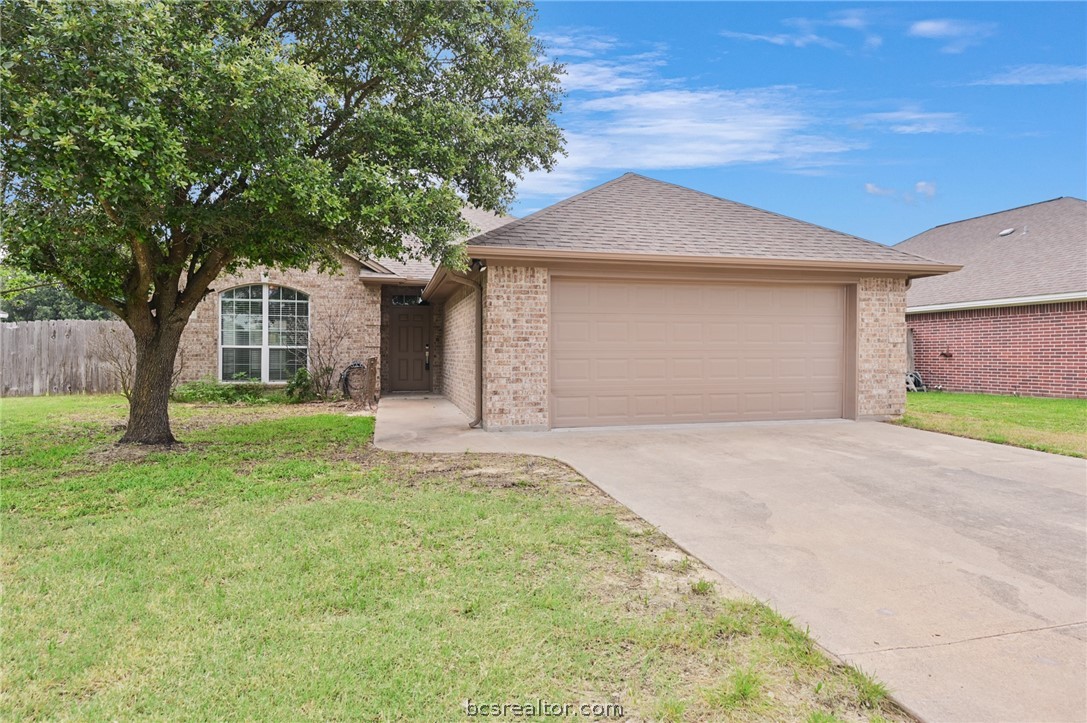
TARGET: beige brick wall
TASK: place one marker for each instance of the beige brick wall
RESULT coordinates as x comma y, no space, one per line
458,378
332,296
881,347
515,347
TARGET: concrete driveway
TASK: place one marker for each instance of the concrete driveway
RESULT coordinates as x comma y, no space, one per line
953,570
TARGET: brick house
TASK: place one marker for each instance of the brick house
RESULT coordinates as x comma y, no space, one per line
1014,319
636,302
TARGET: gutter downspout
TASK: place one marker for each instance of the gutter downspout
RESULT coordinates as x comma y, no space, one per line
463,280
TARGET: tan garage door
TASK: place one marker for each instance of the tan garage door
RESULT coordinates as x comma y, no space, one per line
643,352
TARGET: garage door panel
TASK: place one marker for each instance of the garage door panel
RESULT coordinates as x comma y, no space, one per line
611,370
718,369
650,370
792,369
612,332
755,331
723,406
574,370
722,332
689,331
576,296
639,352
575,408
688,369
573,330
758,369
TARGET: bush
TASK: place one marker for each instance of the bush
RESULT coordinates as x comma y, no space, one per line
302,387
209,391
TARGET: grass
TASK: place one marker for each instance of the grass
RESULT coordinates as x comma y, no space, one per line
277,566
1049,425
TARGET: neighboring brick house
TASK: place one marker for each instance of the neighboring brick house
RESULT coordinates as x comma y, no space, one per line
1014,319
636,302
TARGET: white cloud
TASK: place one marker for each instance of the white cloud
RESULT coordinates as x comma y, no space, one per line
577,43
925,188
855,19
796,40
911,121
612,76
872,42
811,31
600,75
959,34
667,129
1037,74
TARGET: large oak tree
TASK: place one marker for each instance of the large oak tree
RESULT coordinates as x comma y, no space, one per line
149,147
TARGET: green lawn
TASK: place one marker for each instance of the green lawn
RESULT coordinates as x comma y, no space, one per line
276,566
1049,425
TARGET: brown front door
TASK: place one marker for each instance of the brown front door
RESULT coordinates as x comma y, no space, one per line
409,349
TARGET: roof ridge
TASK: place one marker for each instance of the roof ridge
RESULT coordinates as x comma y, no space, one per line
548,209
986,215
779,215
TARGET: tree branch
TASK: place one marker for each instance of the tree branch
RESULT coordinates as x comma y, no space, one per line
197,283
8,292
350,100
270,11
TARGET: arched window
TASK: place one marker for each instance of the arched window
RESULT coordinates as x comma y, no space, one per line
264,333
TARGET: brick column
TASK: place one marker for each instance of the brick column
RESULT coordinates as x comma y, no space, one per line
881,347
515,352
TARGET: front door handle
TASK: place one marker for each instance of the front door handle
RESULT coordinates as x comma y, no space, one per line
426,357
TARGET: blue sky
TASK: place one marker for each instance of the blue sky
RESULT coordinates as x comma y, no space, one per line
880,119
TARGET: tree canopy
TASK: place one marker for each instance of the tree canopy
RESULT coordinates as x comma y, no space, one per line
25,297
149,146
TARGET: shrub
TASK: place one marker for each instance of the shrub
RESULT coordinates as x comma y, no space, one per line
302,387
209,391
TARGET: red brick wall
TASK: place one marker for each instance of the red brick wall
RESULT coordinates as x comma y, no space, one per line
1035,351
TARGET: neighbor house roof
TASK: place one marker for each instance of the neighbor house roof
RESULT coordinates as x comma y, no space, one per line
420,270
1029,254
638,217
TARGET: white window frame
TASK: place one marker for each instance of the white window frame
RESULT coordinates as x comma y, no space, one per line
265,349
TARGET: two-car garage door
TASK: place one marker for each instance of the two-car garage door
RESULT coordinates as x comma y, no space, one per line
648,352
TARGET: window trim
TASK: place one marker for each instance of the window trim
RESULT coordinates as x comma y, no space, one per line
265,349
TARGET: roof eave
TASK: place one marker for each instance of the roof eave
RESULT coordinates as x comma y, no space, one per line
388,279
908,270
435,283
999,303
446,281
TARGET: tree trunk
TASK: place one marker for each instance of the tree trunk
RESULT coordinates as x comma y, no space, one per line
148,406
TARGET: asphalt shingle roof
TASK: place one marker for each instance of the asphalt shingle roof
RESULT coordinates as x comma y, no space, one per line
422,269
637,215
1046,253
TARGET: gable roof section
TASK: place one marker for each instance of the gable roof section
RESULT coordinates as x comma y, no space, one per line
420,270
1045,255
638,217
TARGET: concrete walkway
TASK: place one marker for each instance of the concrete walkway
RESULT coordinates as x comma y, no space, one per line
953,570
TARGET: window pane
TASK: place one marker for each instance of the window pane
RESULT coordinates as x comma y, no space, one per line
288,331
242,319
241,364
283,363
288,323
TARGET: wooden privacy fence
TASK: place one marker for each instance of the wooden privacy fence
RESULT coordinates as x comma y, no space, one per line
57,357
